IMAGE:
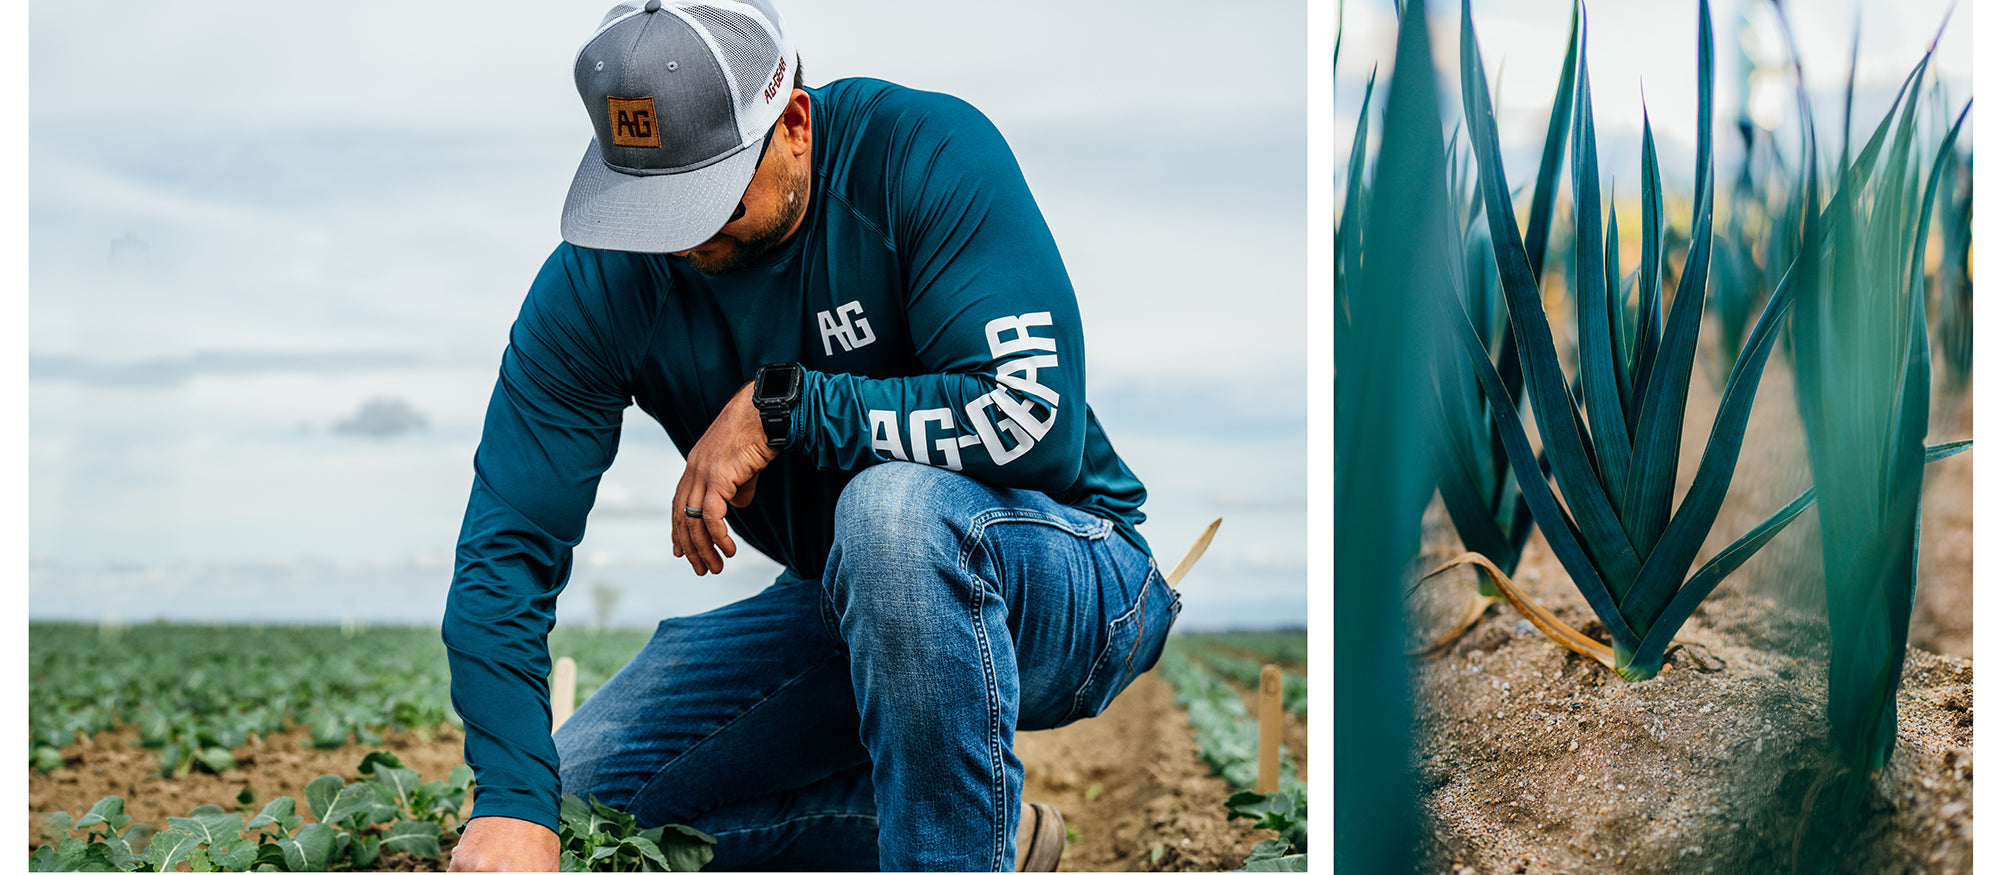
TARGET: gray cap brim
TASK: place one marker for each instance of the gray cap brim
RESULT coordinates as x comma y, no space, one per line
656,213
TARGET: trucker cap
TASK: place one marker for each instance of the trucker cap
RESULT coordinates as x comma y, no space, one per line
681,95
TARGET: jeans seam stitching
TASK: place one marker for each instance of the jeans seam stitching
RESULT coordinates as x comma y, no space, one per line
1096,531
975,535
828,618
823,816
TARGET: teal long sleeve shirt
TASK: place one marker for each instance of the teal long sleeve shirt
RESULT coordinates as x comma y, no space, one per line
926,300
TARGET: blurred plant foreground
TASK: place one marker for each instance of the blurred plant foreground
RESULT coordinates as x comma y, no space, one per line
1695,451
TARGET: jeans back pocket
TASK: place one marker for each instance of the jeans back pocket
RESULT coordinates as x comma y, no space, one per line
1132,647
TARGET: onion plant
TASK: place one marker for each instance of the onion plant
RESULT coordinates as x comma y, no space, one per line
1954,276
1614,445
1612,442
1349,225
1864,388
1475,480
1736,286
1381,479
1864,384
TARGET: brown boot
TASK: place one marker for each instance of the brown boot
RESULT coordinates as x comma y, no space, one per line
1038,844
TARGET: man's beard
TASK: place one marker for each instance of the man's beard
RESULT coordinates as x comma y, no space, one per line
755,242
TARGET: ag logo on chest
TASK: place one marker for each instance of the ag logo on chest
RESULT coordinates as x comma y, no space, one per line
846,325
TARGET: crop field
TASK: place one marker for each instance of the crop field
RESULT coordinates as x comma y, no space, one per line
313,747
195,692
226,747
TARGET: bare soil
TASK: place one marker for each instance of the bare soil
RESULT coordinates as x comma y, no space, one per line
1155,806
1534,760
113,764
1155,795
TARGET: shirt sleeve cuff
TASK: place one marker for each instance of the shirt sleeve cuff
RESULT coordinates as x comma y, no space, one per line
518,804
804,411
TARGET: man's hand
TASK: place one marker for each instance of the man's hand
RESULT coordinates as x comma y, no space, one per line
503,844
721,470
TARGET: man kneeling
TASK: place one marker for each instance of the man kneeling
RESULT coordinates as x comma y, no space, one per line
843,306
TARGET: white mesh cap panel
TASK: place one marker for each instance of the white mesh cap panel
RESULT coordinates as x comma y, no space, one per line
743,47
749,54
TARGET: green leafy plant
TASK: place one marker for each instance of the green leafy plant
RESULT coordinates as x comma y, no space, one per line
1283,812
1475,478
1864,396
438,802
1348,227
598,838
1736,284
389,809
1228,738
1279,646
1954,274
1382,476
1614,445
1246,672
1864,383
195,695
106,845
208,839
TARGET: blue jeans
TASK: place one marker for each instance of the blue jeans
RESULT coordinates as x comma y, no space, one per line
865,720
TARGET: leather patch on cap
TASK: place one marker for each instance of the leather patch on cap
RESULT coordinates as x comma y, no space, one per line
633,122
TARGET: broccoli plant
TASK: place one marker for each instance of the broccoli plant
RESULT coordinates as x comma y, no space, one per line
598,838
1285,812
105,847
389,809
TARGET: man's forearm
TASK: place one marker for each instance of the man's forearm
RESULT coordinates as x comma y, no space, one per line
504,704
505,844
1015,432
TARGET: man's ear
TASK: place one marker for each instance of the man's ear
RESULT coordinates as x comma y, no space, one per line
797,122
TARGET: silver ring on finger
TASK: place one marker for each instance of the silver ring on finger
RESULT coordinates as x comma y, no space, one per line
692,511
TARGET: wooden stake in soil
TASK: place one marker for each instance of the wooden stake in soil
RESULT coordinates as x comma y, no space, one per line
1193,553
562,693
1270,726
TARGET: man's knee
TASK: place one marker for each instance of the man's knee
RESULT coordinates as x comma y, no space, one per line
898,531
575,757
899,505
585,762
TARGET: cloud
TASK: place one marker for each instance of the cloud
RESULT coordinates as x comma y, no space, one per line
172,372
1264,404
130,250
1290,498
382,418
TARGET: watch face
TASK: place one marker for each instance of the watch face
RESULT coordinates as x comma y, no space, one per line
777,384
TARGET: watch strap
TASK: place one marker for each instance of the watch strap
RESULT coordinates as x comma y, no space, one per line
777,427
776,413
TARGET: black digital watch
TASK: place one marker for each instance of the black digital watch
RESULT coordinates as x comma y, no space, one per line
775,393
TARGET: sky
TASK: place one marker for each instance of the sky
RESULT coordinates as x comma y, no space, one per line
272,256
1642,62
